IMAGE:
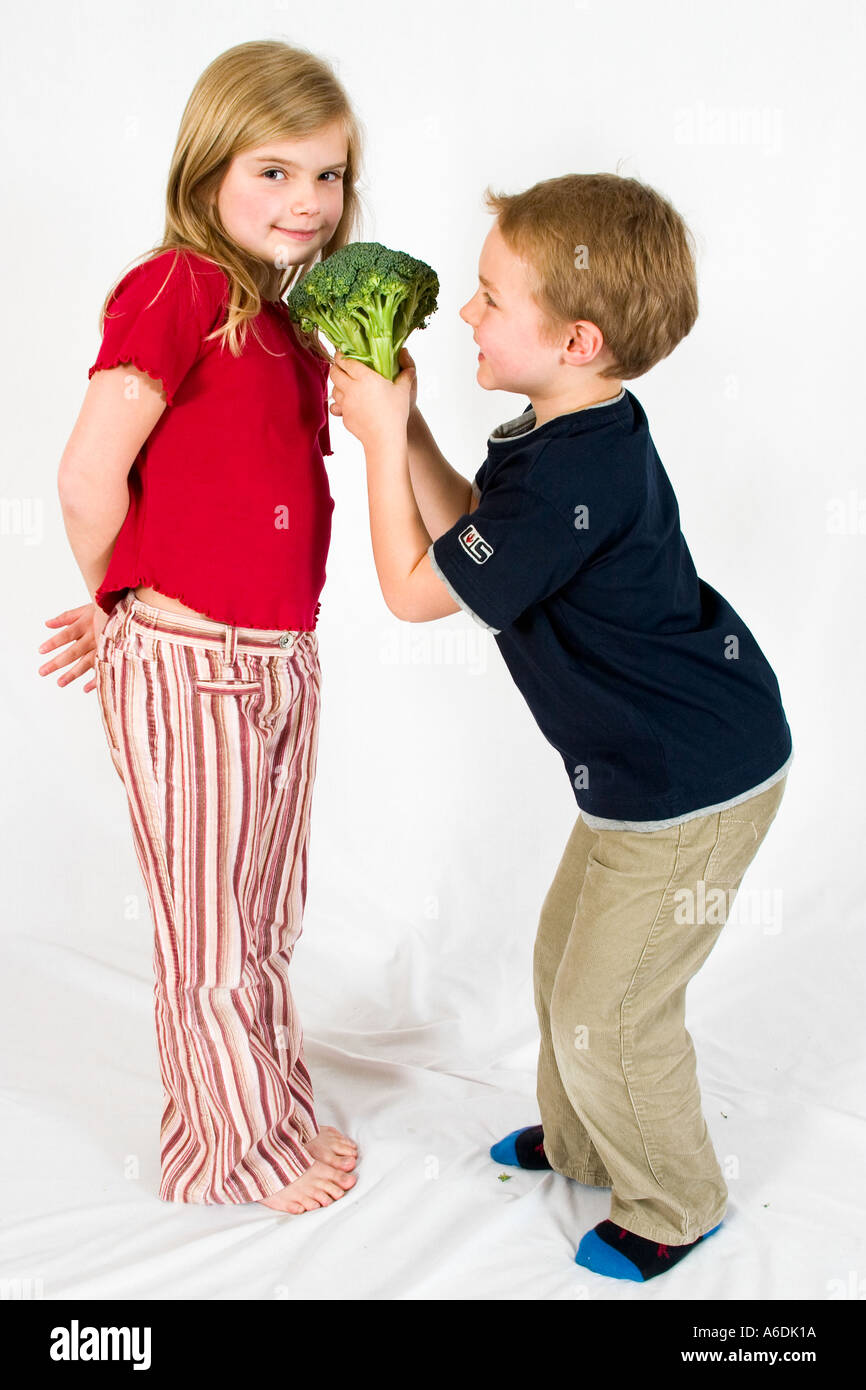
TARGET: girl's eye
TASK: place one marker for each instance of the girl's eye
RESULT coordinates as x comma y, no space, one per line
334,174
489,300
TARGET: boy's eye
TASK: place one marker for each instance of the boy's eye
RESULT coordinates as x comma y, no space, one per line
489,300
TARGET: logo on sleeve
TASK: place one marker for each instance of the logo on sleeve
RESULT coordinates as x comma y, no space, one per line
475,545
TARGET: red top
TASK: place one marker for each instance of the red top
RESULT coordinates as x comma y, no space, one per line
229,505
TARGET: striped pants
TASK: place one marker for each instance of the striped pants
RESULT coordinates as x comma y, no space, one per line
213,731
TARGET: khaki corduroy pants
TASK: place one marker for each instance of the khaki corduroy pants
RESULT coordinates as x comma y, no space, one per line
628,920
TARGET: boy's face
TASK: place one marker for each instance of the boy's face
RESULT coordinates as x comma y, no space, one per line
506,321
285,187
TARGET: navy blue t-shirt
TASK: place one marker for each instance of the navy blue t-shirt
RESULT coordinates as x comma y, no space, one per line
642,676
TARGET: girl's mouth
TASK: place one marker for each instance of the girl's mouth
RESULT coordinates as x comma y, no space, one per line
299,236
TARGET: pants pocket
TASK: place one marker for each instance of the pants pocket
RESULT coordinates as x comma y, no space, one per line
112,623
740,833
736,843
227,686
104,675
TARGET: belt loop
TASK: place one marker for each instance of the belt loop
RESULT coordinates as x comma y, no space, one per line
231,643
128,601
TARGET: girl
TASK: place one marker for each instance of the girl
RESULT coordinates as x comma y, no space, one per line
196,501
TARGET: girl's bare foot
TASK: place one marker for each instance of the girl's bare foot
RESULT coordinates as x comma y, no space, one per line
334,1147
325,1181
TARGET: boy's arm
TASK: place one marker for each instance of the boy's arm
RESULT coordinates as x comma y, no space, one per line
443,495
400,539
528,550
377,412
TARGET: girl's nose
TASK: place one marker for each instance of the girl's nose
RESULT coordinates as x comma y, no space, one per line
306,202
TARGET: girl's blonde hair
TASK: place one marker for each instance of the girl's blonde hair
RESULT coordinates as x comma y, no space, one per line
610,250
251,94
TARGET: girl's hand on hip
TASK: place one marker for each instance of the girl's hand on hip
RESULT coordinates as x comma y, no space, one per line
374,409
81,627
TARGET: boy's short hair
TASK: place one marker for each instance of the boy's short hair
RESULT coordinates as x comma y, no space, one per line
610,250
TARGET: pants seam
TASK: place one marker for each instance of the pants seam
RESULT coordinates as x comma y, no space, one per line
625,1065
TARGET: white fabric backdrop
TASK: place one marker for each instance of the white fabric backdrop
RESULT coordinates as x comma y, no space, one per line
440,813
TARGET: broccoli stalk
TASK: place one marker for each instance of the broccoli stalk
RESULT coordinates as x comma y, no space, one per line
366,299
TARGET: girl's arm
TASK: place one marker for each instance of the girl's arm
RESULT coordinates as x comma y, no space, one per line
120,408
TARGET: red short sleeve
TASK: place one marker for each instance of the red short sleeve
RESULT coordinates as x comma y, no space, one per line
159,315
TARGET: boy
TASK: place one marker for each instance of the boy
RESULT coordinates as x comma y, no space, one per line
567,546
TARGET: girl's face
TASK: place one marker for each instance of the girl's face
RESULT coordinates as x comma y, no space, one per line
506,320
282,201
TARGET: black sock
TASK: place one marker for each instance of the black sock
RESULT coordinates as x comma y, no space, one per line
529,1148
649,1257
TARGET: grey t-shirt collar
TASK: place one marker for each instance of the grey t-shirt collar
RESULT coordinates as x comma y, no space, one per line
525,423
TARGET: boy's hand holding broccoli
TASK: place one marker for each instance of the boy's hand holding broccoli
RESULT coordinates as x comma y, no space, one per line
367,299
374,409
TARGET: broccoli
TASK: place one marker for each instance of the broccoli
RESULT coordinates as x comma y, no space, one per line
366,299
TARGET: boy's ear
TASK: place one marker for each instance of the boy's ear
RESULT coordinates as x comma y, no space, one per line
585,344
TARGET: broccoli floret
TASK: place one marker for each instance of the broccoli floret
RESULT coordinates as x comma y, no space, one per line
366,299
